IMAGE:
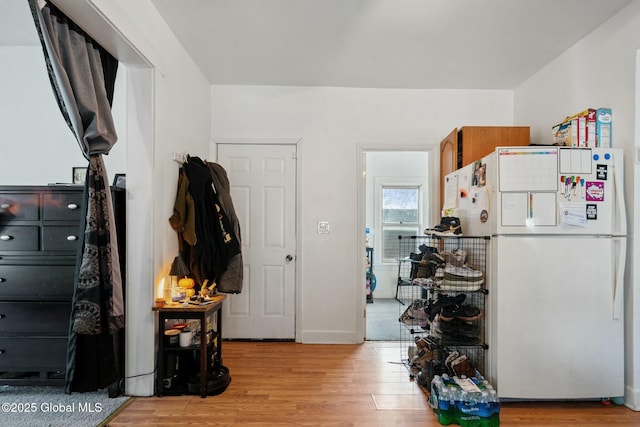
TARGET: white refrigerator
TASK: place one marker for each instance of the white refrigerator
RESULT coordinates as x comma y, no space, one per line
556,217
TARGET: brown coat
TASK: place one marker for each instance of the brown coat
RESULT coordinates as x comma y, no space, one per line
183,220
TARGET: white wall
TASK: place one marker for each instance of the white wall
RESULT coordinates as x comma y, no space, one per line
335,124
173,115
34,134
392,168
599,71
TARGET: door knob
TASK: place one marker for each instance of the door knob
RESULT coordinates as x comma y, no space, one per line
289,258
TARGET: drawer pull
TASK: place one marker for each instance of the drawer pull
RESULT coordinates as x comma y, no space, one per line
6,237
72,206
72,238
2,316
2,279
2,351
5,206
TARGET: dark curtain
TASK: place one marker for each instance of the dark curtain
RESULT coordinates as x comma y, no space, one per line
82,75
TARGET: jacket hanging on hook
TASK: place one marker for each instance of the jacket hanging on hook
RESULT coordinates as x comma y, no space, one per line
215,240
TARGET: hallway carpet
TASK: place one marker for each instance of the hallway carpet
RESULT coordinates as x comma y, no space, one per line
382,320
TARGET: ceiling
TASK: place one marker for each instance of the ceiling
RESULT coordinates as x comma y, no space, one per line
412,44
435,44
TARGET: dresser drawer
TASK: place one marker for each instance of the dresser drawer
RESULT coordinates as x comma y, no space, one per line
19,238
60,238
23,206
26,282
44,318
31,353
62,206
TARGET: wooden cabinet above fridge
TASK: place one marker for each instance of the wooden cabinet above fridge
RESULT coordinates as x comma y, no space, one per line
470,143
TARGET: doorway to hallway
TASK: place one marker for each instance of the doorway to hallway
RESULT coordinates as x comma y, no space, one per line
397,202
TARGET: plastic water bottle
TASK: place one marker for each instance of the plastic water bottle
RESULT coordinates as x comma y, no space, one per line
457,396
445,379
436,384
445,408
434,394
494,408
467,409
483,405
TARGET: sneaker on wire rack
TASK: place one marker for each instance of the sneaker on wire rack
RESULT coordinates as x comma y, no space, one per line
456,326
463,366
465,312
463,272
450,358
456,257
449,226
464,279
459,339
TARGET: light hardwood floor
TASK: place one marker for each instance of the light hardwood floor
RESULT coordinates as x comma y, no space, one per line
289,384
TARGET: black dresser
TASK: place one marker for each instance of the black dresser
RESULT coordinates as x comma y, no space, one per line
39,235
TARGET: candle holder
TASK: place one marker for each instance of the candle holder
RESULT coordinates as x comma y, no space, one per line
178,270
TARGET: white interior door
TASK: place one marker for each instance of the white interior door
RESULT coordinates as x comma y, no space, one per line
262,179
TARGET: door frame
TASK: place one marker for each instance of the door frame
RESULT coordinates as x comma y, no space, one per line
361,191
213,149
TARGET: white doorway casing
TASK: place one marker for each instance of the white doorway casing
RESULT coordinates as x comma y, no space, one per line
263,187
432,215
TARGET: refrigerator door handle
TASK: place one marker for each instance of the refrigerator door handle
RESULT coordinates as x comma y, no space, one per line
620,226
618,287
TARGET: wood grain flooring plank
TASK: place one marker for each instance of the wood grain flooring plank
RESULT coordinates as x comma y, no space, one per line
291,384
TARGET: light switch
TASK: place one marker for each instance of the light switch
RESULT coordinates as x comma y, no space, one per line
323,227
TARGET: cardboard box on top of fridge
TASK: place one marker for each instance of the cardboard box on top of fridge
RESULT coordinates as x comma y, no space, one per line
584,129
579,130
590,115
569,132
604,123
561,133
586,120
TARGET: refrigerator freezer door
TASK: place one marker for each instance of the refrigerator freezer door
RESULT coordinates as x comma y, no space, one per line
558,327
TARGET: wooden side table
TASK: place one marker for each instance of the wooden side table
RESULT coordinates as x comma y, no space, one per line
198,312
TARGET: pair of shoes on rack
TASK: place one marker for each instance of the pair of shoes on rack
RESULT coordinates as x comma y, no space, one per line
434,307
459,364
415,314
457,257
462,366
463,278
427,342
463,272
464,312
451,337
457,326
428,266
423,356
449,226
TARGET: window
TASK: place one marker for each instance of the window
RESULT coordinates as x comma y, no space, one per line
400,216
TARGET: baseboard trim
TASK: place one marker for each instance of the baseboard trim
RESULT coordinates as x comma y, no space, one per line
632,398
329,337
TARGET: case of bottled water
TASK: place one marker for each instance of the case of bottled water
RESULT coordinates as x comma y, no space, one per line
453,403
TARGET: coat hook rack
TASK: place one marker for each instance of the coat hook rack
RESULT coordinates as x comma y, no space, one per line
179,157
